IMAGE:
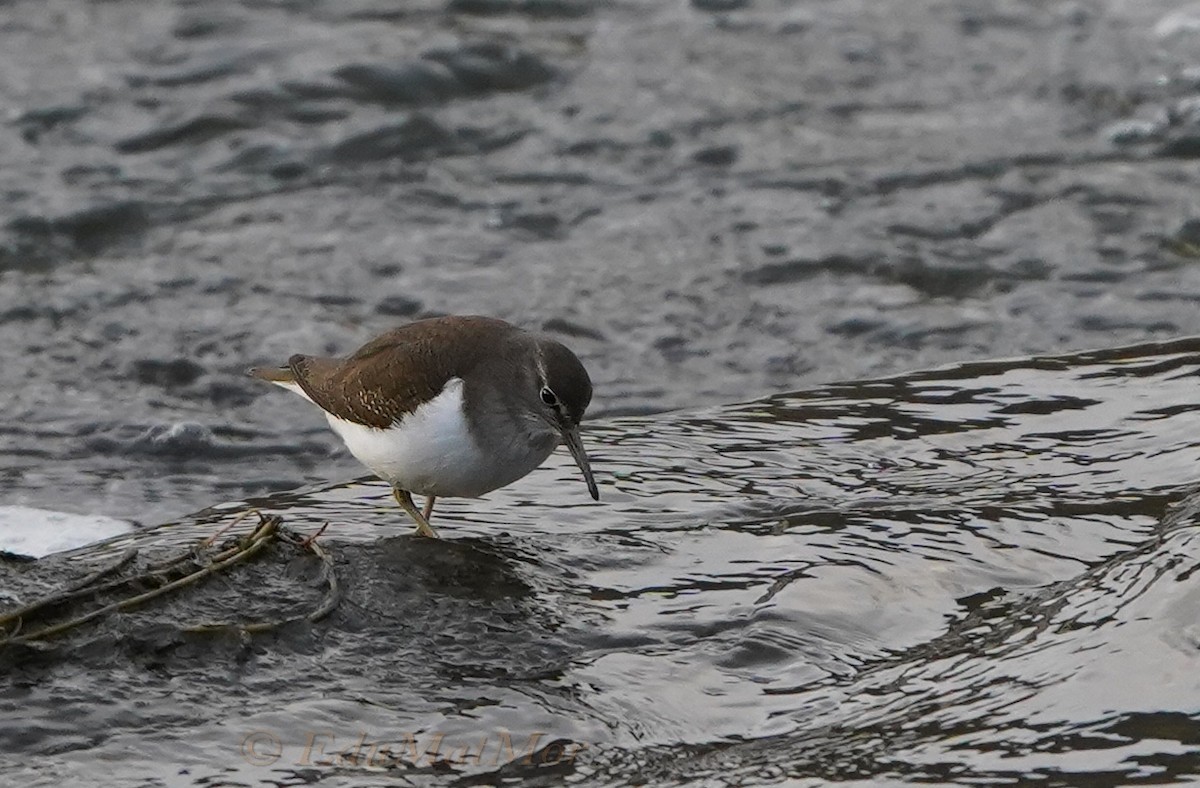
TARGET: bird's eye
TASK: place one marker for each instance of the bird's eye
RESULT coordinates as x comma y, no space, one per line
548,396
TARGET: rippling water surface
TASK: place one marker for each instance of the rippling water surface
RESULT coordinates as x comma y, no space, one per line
977,574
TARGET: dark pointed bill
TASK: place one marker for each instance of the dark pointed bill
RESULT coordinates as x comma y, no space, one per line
575,445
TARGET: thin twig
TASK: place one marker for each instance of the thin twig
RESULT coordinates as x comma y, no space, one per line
177,572
307,541
85,588
72,592
333,596
104,571
259,539
208,542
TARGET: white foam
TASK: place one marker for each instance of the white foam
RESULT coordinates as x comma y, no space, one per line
40,532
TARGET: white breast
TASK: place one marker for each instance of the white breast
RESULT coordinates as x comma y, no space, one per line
431,451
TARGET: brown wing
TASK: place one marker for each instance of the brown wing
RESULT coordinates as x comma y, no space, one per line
396,372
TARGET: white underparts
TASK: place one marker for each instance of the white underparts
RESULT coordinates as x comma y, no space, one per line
431,451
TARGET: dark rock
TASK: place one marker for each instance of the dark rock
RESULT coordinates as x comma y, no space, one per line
176,372
191,131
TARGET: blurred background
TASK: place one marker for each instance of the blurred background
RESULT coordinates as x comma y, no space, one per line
709,201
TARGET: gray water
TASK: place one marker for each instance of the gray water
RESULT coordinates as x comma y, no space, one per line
982,573
975,574
707,206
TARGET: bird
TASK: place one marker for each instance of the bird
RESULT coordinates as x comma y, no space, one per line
453,406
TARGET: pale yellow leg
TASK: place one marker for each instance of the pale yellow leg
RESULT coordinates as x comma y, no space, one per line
428,510
404,498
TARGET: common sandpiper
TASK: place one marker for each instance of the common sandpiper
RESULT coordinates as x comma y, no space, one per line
449,406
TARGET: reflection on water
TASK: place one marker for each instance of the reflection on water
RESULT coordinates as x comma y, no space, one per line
980,573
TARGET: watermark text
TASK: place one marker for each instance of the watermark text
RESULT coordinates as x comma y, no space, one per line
333,748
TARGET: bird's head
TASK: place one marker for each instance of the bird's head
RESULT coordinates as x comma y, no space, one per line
562,391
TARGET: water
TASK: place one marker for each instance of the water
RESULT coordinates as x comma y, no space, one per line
978,574
707,205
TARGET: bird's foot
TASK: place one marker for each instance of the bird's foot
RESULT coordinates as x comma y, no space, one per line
404,498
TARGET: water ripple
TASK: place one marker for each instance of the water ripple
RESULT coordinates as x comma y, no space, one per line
981,573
